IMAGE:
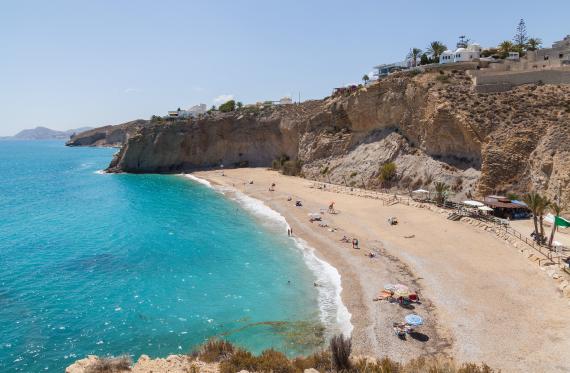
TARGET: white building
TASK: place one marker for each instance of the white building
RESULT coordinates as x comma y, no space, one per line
198,109
472,52
285,101
514,56
447,57
178,113
192,112
387,69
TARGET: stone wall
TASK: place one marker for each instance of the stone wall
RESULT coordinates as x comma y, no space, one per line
493,81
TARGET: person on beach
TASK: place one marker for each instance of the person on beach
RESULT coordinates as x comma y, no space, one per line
355,243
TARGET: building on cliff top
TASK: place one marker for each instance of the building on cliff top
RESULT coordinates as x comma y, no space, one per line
192,112
558,55
388,68
471,53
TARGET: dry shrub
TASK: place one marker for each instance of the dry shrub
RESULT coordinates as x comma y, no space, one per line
239,360
336,360
340,350
273,361
291,168
377,366
110,365
457,185
320,361
215,350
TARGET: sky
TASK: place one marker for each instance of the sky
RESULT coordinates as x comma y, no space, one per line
68,64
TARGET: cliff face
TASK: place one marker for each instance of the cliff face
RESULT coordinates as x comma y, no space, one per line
432,126
112,136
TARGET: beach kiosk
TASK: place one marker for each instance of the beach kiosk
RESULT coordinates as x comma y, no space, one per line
506,209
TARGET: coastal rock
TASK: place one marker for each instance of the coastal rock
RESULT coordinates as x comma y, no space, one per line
107,136
81,365
515,141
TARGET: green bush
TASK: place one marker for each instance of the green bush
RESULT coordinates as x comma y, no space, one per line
387,172
228,106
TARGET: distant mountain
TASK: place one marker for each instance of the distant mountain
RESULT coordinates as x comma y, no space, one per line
43,133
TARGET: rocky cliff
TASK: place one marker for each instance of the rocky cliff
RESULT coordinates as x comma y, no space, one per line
433,126
112,136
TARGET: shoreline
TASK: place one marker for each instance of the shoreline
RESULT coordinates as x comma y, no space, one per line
476,291
355,297
325,274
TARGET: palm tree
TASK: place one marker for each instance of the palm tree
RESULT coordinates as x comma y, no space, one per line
533,44
435,49
365,78
532,200
441,190
556,209
543,207
413,55
506,46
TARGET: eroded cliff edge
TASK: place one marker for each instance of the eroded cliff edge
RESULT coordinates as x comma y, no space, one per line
433,126
107,136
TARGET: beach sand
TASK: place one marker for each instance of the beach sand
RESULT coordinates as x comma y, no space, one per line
482,301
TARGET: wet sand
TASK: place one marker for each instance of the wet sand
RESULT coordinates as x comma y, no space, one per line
482,301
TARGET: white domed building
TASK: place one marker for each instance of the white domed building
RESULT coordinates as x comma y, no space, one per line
447,57
472,52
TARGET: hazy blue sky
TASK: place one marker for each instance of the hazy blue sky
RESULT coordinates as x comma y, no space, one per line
65,64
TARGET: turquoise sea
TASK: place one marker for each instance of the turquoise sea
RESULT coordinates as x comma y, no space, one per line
102,264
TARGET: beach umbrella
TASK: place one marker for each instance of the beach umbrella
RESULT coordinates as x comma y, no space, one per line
401,287
485,208
473,203
402,293
414,320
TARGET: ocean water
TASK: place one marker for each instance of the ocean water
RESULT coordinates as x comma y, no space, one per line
102,264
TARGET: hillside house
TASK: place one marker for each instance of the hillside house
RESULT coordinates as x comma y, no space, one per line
469,54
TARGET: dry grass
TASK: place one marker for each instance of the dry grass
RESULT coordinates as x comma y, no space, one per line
340,350
111,365
335,359
215,350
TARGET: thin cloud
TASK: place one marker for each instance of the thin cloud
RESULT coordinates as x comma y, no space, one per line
131,91
221,99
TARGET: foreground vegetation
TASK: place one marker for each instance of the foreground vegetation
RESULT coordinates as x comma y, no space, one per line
337,358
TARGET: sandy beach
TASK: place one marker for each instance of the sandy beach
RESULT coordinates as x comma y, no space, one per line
482,301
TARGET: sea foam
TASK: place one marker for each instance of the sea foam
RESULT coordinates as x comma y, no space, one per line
333,313
198,180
